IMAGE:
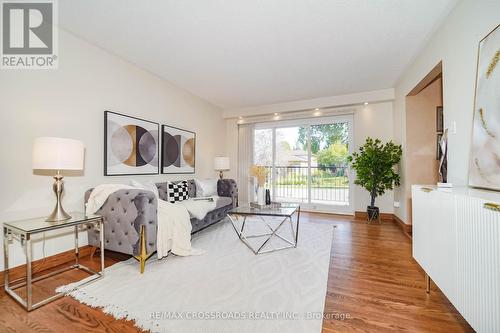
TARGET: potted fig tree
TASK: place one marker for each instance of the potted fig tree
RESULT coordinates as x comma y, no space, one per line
374,165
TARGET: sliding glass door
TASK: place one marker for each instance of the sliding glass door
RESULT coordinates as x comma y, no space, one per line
306,161
290,166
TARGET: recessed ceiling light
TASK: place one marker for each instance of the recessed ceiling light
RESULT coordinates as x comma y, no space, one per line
316,109
276,113
317,113
366,103
240,117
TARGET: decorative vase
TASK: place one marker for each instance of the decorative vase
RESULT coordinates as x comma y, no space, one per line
268,197
260,196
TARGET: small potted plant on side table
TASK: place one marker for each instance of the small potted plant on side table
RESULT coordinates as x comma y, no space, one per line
374,165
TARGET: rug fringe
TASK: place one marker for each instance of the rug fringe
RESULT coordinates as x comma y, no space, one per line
113,310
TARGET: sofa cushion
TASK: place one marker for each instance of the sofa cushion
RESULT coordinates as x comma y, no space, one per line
223,201
206,187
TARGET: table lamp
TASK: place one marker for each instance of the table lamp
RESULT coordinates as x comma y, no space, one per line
57,154
221,164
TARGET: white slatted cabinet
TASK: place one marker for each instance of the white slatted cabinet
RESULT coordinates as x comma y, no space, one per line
457,242
478,267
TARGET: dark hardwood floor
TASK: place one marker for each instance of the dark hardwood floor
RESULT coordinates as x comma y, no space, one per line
373,286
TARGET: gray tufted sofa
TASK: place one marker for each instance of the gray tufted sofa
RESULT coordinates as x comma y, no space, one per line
128,212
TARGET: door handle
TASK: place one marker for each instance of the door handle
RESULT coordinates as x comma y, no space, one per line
492,206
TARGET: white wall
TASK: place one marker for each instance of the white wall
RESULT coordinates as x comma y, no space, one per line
374,120
69,102
456,45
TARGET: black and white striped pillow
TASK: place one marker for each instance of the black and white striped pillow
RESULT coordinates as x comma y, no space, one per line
177,192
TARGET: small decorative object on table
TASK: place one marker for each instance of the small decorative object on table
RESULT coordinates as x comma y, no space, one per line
204,199
445,187
260,196
268,197
259,172
443,157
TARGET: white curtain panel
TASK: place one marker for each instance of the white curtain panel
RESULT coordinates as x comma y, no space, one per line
245,161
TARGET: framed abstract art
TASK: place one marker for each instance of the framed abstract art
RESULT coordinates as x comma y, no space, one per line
484,170
178,150
439,120
131,145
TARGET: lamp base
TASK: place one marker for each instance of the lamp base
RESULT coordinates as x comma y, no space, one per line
58,214
221,174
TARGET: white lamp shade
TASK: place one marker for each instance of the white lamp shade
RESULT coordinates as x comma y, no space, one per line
57,154
221,163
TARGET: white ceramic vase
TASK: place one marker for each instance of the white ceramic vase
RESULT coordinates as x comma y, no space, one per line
261,196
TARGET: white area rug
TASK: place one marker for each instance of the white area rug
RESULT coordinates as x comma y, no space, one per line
228,289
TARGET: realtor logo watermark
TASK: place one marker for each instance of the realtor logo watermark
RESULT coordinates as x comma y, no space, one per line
29,36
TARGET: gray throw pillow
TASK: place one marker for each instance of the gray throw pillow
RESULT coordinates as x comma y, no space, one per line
206,187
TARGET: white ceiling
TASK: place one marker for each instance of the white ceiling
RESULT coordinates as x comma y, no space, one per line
241,53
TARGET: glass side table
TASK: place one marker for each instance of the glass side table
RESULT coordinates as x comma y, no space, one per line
23,231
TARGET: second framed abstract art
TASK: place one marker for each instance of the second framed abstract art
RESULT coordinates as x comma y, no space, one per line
178,150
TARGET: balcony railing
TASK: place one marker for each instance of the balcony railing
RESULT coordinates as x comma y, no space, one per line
329,185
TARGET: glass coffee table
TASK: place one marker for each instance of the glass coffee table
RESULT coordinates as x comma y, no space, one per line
272,219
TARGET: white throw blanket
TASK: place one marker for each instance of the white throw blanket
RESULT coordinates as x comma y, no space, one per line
174,225
199,208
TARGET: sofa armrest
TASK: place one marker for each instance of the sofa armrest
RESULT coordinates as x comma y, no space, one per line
228,188
124,212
